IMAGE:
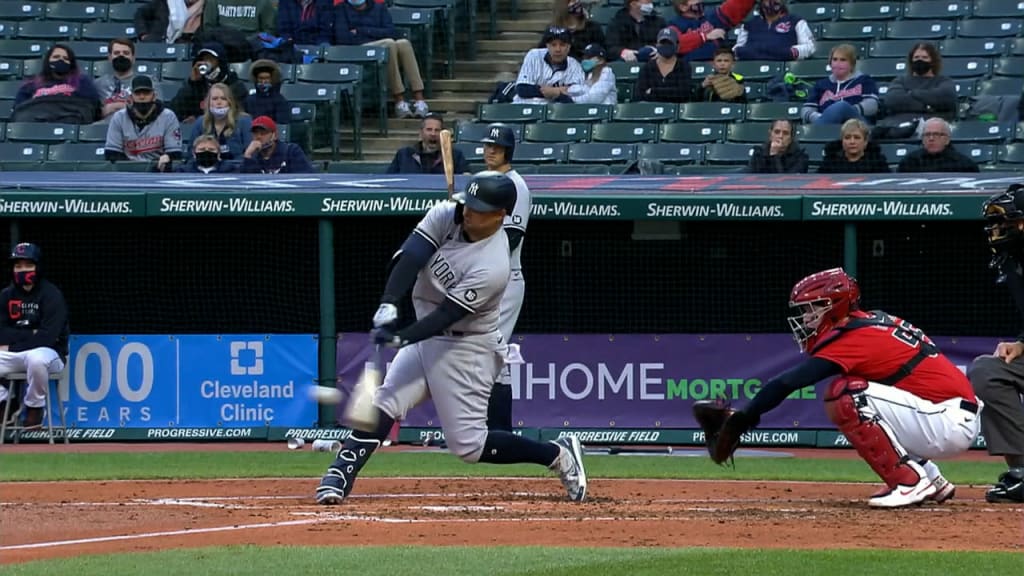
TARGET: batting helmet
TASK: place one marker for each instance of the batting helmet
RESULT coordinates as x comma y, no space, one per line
26,251
823,300
501,135
488,191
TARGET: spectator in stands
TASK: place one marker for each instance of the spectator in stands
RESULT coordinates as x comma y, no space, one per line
547,73
267,99
268,155
144,130
59,93
424,157
937,154
845,94
633,31
781,154
702,32
854,152
305,21
154,21
115,88
358,22
206,158
573,16
777,35
666,77
224,120
248,16
924,92
723,85
209,67
599,85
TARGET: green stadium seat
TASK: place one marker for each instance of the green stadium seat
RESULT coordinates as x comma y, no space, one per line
578,112
747,132
809,70
24,49
21,11
46,30
151,69
645,112
418,26
76,11
511,112
883,69
959,47
711,112
667,153
325,98
557,132
1018,133
90,49
374,61
124,12
1017,47
107,30
698,70
872,11
891,48
851,30
692,132
1011,154
601,152
755,91
82,152
936,9
473,151
41,132
823,47
303,119
329,73
159,52
10,69
1001,86
996,9
168,88
975,131
919,29
569,169
175,71
770,111
969,67
357,167
624,132
758,69
626,71
819,132
896,151
731,153
477,131
540,153
9,89
444,15
6,28
96,132
816,11
603,14
6,107
965,87
22,152
815,151
989,27
980,153
1009,66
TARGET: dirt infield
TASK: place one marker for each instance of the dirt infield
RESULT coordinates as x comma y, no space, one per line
46,520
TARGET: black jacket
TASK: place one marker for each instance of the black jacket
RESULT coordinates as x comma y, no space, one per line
187,101
34,319
835,161
676,87
793,161
949,160
58,109
624,32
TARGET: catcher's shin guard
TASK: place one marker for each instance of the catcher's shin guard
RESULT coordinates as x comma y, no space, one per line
341,474
876,444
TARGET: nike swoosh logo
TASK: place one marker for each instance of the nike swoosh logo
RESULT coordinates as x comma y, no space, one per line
906,492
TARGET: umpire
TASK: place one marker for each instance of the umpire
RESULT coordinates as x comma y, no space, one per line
998,379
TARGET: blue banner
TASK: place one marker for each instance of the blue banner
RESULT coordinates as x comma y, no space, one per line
191,381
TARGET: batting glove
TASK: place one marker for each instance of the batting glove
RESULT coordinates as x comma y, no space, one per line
385,337
386,314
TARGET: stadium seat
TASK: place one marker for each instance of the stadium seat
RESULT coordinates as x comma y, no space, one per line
692,132
758,69
871,11
1011,154
22,152
46,30
329,73
473,151
1009,66
6,28
823,133
748,132
960,47
303,119
996,9
90,49
124,12
1017,47
21,11
418,26
896,151
809,70
980,153
672,153
23,49
823,47
6,106
540,153
968,67
626,71
175,71
41,132
1001,86
511,112
604,14
891,48
477,131
587,169
883,69
557,132
770,111
96,132
374,61
10,69
711,112
83,152
730,153
976,132
578,112
9,89
325,97
107,30
698,70
851,30
965,87
151,69
816,11
755,91
815,151
936,9
601,152
645,112
76,11
989,28
624,132
919,29
159,52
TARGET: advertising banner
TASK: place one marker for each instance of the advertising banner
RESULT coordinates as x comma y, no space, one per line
199,382
644,380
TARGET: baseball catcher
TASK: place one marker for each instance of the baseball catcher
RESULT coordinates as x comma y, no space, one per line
898,400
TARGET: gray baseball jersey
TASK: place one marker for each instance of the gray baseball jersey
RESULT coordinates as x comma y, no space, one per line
161,136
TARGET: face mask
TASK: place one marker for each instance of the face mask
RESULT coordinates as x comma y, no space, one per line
588,65
666,50
24,277
59,67
206,158
772,8
646,9
357,3
920,67
142,109
841,69
220,112
264,87
121,64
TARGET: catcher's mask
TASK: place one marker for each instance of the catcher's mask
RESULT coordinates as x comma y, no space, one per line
1003,212
823,300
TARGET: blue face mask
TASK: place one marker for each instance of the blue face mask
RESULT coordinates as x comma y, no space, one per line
357,3
588,65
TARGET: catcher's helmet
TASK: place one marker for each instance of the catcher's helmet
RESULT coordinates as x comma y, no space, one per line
823,299
501,135
1002,211
26,251
488,191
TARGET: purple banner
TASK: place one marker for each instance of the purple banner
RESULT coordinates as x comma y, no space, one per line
643,380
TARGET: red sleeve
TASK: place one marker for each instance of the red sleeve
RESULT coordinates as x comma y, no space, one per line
733,12
689,41
850,350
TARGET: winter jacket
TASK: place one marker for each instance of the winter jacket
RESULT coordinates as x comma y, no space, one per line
231,146
651,86
371,23
58,109
412,160
271,104
787,38
692,32
859,90
624,33
187,102
949,160
912,97
310,24
793,161
835,162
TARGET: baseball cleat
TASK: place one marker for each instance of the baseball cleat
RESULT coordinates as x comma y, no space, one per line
903,494
1009,489
569,465
331,490
944,490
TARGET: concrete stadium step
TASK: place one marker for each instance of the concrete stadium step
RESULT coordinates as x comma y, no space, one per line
464,83
489,64
520,45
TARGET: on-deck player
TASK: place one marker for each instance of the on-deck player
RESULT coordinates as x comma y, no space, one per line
898,400
456,261
499,148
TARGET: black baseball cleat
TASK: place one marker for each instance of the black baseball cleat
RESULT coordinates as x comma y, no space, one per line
1009,488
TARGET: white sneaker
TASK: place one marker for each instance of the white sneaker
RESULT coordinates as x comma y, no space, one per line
421,109
569,465
402,110
905,494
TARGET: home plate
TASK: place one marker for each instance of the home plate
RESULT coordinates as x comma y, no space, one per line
457,508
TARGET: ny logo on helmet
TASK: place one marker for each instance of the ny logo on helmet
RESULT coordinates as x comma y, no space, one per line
473,187
495,133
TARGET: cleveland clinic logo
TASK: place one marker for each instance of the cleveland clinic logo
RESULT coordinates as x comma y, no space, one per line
247,358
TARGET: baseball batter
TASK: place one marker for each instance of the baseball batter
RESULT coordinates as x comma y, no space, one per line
897,399
456,261
499,148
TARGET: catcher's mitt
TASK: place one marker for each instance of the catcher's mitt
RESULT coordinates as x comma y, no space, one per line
726,86
722,426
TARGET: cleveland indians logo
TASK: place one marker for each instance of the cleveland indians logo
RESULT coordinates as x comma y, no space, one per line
784,27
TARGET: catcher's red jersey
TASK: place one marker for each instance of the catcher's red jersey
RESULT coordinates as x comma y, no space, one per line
877,352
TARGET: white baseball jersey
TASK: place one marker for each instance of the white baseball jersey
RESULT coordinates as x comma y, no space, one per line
520,216
471,274
536,70
161,136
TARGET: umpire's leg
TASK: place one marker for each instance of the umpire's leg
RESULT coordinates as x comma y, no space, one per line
999,385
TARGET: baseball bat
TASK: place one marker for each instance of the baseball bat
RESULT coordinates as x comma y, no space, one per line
446,157
360,413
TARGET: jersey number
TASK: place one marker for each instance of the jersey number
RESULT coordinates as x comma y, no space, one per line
908,334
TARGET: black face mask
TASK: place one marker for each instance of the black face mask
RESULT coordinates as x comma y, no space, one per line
59,67
206,159
121,64
142,109
920,67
